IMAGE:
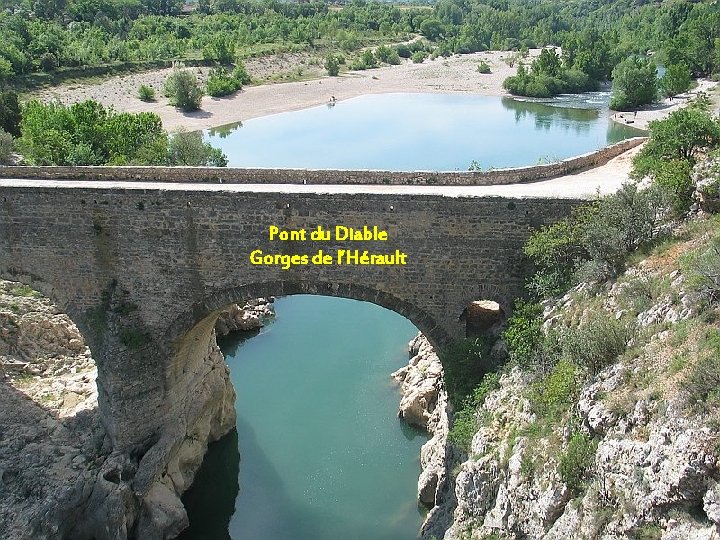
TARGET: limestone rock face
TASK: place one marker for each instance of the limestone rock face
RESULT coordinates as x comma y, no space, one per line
424,403
59,476
706,176
636,480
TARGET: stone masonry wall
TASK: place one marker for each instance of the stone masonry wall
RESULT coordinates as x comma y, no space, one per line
321,176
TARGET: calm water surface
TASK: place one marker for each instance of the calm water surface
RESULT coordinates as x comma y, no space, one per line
321,454
424,132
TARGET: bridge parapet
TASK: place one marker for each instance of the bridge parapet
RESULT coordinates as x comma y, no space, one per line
231,175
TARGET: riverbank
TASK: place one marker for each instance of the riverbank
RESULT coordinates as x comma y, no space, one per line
657,111
457,74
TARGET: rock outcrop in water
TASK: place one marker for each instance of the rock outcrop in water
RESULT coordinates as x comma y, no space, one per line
424,404
251,316
59,477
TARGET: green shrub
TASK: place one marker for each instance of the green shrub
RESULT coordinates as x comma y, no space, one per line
419,57
387,55
465,422
483,67
10,114
146,93
222,83
464,365
187,148
6,148
403,50
703,270
48,62
673,177
553,396
332,65
183,90
577,461
240,73
24,291
524,333
597,343
701,385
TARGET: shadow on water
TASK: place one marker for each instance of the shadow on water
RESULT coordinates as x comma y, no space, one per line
211,503
211,499
411,432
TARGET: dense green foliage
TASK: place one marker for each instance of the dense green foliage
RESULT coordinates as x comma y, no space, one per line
332,65
222,83
10,113
548,76
183,90
672,151
49,35
676,80
6,147
634,83
484,68
576,462
88,134
594,242
465,422
465,364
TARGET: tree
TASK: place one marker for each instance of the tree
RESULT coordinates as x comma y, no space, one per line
676,80
220,50
680,136
431,29
183,89
10,113
188,148
332,65
634,83
6,148
547,63
88,134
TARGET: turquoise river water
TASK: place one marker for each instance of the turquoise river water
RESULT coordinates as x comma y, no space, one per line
412,132
322,455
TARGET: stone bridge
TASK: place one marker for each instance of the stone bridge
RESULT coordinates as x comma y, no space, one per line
144,269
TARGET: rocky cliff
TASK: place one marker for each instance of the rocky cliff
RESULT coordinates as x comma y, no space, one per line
59,476
631,451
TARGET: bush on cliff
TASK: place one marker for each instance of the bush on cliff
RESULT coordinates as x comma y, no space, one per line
465,364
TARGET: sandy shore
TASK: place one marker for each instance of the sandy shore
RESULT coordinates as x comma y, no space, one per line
442,75
455,74
659,110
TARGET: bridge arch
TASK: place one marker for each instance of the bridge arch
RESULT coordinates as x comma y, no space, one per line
204,313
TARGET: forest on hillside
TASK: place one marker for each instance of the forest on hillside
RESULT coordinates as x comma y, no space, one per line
44,36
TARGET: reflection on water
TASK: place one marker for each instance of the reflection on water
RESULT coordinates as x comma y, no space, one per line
424,132
224,130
